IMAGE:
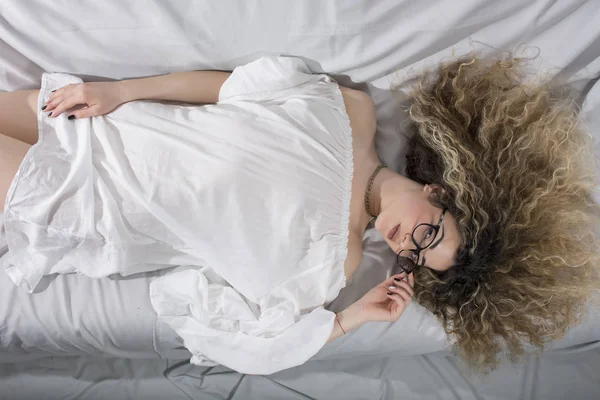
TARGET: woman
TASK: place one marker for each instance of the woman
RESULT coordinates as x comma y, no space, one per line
273,196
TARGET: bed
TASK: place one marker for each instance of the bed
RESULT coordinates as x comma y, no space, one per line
80,338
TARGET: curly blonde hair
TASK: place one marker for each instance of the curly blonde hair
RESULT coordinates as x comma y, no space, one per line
519,174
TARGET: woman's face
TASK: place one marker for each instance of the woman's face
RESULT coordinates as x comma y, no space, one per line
402,211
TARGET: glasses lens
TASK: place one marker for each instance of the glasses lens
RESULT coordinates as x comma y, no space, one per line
407,260
424,235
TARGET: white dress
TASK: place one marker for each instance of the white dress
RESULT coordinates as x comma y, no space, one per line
249,197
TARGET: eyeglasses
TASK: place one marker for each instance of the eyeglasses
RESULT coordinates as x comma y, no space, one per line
422,237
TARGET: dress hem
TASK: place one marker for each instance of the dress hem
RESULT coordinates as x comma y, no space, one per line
15,272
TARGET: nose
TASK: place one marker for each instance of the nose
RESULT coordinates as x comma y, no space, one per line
405,242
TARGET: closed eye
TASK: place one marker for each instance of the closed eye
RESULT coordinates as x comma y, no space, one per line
429,232
433,246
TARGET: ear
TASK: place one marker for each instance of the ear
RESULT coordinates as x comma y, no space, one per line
431,187
434,187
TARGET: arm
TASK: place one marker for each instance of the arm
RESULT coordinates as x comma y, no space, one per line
186,87
103,97
351,318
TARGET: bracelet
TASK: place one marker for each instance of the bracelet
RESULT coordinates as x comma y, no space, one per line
340,324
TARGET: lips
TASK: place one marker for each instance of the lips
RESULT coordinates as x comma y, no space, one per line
393,232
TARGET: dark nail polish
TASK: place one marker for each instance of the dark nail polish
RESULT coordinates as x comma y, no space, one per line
53,91
390,293
43,108
71,117
397,280
50,114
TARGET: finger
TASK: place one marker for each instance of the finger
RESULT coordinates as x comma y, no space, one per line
48,105
69,95
53,95
86,112
399,278
65,105
400,304
406,286
52,104
62,91
390,281
402,292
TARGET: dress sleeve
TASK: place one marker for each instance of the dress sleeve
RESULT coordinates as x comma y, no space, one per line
218,325
261,78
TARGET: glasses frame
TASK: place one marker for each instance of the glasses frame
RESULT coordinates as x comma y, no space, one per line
419,249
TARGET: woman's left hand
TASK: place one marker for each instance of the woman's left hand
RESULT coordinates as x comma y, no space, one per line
378,305
99,98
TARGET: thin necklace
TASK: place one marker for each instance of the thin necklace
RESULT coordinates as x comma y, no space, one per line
368,191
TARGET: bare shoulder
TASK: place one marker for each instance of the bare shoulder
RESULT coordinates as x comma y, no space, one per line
355,255
361,111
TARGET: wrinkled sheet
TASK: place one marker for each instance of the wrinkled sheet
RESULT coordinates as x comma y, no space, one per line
556,375
364,44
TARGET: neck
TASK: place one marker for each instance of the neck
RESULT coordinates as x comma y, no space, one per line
377,190
389,185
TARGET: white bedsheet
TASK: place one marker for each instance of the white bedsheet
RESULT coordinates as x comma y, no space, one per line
377,42
74,314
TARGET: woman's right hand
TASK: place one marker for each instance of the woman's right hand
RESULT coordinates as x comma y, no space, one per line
386,302
95,98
